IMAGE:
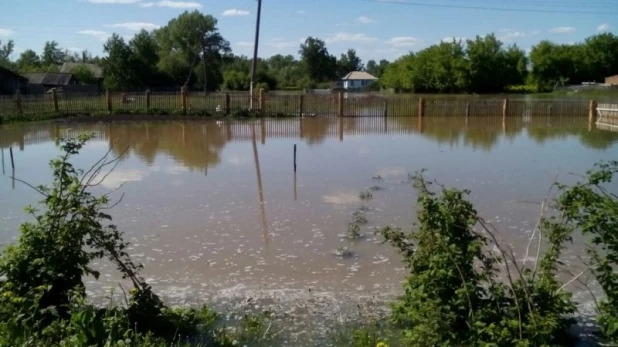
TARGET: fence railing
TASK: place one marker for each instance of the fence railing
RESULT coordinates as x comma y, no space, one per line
278,104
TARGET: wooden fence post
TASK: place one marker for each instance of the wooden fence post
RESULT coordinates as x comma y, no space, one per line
549,109
592,111
467,109
148,100
421,107
183,99
18,102
340,104
301,102
262,101
228,102
108,100
385,107
505,108
55,99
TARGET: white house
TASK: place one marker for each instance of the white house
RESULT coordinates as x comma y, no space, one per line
357,80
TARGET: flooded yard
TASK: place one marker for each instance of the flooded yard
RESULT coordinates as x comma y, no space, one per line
215,211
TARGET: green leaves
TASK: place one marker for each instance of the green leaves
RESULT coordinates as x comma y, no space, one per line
453,295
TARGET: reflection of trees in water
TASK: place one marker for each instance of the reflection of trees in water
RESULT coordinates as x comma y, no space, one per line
195,145
315,130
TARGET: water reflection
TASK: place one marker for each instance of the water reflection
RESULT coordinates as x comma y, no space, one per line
196,145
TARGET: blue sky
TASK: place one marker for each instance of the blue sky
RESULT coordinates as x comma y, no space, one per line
375,28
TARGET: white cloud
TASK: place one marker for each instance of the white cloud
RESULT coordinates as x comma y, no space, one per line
245,44
95,33
301,12
365,20
508,35
450,39
172,4
349,37
562,30
135,26
75,49
281,43
534,33
114,1
404,41
604,27
6,32
234,12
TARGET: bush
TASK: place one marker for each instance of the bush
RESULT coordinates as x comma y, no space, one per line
593,209
453,295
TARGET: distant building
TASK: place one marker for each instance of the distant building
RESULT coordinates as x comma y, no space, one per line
612,80
11,81
50,79
357,80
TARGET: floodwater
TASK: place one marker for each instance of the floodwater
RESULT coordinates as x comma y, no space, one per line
214,209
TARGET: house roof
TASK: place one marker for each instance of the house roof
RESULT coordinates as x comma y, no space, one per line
359,75
49,78
8,72
96,70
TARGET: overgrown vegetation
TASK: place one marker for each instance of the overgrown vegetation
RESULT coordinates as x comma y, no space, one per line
43,298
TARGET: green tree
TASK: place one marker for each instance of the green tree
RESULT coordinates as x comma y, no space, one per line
145,51
185,41
5,52
601,56
486,63
84,75
377,69
52,55
317,63
28,61
120,66
349,62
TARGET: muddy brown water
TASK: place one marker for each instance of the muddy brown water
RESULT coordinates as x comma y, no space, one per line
216,213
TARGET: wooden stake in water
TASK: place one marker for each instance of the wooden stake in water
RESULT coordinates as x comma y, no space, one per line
2,150
12,161
294,158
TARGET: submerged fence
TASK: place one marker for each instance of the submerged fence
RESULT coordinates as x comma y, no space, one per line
274,104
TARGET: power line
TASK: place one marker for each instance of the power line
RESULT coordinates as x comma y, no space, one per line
487,8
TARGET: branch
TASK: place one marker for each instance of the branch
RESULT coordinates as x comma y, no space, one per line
538,224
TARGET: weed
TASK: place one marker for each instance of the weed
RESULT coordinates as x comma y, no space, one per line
359,218
365,195
353,231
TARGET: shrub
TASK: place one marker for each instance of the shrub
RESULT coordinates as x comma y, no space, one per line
453,295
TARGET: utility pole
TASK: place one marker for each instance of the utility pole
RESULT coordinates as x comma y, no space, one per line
255,52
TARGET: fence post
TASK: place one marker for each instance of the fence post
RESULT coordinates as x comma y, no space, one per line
505,108
301,102
148,100
385,107
421,107
592,111
262,101
228,102
550,107
18,102
183,99
467,109
55,99
340,104
108,100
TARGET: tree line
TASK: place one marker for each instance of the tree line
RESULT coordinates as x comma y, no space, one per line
485,64
190,51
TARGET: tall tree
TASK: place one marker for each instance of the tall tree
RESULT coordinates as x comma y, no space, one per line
486,64
601,54
5,52
317,63
187,40
349,62
120,66
52,54
28,61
